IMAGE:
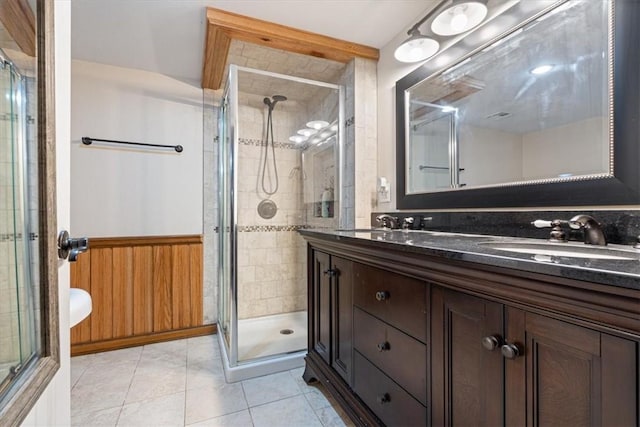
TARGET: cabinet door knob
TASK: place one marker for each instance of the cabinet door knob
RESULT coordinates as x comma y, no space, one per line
510,351
329,272
385,398
382,295
491,342
385,346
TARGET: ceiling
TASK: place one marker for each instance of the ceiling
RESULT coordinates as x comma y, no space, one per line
167,36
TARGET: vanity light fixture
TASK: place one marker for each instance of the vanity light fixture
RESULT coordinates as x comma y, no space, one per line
317,124
451,17
459,17
306,132
298,139
416,48
541,69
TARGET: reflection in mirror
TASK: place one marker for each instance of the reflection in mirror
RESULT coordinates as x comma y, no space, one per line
532,107
431,155
19,275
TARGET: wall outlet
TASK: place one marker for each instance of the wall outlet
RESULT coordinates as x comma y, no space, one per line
384,190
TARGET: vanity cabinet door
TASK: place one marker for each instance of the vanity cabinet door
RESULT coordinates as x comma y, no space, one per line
342,318
331,296
321,300
566,374
467,378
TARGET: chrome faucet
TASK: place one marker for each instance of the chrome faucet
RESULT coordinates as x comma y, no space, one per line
407,223
593,234
387,221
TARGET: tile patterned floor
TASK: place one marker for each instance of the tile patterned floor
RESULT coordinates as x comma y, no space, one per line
181,383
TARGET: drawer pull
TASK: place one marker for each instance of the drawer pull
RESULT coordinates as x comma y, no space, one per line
510,351
385,398
491,342
382,295
385,346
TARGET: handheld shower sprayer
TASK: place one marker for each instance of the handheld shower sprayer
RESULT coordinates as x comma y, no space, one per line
271,102
270,187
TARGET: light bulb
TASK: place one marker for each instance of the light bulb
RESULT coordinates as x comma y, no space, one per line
541,69
459,20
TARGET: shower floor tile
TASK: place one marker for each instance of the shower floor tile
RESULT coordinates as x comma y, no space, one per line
181,383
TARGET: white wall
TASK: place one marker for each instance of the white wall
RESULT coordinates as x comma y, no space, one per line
119,191
53,408
581,152
390,71
483,148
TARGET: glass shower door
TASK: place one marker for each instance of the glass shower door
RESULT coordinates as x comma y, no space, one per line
226,242
18,342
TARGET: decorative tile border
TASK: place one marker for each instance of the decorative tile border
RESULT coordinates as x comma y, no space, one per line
261,143
267,228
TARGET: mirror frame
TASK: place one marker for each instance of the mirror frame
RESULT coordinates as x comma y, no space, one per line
39,374
623,188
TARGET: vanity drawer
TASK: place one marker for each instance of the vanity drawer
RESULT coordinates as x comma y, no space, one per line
393,405
401,357
398,300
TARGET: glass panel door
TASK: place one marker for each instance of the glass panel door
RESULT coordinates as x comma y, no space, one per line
18,340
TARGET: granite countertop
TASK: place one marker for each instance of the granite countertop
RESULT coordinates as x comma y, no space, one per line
484,249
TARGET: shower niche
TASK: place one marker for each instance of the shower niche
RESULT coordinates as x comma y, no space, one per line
278,172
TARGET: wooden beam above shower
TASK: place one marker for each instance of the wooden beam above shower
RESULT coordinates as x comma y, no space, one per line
223,27
19,21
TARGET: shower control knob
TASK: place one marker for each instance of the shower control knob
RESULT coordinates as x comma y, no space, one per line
382,295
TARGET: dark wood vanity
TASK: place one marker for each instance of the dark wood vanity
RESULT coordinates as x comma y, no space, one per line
404,338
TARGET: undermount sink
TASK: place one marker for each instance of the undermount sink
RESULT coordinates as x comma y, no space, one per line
566,250
79,305
399,230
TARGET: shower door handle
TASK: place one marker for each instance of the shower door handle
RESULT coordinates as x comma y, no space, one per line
69,247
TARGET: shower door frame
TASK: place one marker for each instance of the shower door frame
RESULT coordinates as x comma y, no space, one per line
231,94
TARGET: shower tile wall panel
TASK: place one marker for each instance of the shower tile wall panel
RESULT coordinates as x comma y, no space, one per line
210,215
365,159
271,269
348,166
321,169
271,273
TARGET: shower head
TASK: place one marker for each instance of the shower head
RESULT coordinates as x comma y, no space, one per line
271,102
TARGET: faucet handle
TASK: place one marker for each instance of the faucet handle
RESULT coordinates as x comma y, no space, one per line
541,223
407,222
557,234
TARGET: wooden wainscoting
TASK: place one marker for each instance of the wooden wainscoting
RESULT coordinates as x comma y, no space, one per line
144,289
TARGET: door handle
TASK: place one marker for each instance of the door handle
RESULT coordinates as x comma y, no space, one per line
69,247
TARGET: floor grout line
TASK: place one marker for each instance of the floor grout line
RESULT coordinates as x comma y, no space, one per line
300,389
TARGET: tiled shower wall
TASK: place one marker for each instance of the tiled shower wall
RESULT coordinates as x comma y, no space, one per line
210,205
272,252
271,255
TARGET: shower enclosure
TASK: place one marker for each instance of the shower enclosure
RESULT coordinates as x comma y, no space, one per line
18,227
279,156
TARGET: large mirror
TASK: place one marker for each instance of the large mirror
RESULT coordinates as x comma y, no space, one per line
526,119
